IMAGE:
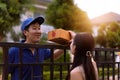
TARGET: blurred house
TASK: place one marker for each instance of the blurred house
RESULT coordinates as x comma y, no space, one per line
104,19
41,6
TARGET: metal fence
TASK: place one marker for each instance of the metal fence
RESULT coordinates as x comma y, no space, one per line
105,57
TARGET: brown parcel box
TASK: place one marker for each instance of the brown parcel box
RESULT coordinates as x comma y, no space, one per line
60,36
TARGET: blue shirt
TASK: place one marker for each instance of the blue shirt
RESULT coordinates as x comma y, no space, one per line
27,57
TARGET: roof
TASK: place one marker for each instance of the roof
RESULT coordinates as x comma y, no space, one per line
106,18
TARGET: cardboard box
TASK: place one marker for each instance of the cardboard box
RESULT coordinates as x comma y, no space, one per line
60,36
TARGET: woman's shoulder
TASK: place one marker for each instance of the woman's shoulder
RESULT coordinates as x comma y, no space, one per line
76,74
76,70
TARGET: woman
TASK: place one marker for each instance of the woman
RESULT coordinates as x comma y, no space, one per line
83,67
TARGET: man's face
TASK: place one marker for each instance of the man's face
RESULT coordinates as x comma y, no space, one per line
33,33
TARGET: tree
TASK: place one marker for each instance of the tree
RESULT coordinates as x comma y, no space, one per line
10,11
16,36
101,37
65,14
109,35
113,35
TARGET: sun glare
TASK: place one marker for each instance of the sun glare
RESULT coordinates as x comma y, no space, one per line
96,8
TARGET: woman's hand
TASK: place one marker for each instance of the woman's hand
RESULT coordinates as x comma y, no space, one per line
72,34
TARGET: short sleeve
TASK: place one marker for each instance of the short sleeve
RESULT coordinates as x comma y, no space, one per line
11,56
47,53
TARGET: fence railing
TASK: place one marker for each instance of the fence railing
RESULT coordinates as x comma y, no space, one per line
105,57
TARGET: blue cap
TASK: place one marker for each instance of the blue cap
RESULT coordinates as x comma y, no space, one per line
28,21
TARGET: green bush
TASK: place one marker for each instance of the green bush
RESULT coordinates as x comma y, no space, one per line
60,60
106,71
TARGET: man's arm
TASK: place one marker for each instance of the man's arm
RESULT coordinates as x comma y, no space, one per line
58,53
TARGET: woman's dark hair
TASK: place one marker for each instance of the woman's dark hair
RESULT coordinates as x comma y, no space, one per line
84,42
